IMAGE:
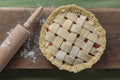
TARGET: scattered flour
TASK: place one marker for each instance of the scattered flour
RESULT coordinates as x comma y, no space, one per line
5,44
41,21
30,55
30,49
8,32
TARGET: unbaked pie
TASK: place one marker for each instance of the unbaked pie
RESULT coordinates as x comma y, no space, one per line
72,38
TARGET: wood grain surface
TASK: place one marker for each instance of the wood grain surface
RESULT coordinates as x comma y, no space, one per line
109,19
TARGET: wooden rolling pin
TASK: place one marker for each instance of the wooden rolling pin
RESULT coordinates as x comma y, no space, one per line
17,37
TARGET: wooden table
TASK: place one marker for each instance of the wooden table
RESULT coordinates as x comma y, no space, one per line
109,19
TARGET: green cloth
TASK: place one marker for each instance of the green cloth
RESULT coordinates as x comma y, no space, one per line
53,3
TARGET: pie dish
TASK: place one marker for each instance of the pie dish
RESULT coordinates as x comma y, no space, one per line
72,38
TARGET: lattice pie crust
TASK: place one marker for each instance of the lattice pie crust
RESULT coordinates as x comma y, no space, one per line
72,39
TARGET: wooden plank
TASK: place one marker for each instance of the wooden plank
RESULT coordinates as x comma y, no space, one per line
109,18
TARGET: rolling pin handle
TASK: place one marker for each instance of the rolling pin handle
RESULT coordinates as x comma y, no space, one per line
32,18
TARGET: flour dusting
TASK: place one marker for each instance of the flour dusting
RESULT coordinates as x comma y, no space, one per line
29,55
41,21
5,44
8,32
30,49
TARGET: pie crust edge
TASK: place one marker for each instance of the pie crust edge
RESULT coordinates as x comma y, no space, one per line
98,30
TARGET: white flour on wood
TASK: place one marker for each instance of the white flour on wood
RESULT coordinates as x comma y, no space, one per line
30,48
5,44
